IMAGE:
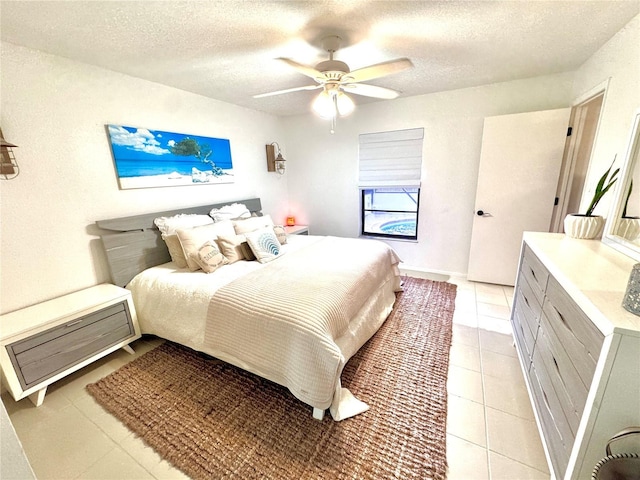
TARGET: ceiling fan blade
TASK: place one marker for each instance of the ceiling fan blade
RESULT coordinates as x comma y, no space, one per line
304,69
378,70
288,90
370,91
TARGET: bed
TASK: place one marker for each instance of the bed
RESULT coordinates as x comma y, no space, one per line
294,319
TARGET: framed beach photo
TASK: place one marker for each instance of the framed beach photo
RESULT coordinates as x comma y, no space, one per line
152,158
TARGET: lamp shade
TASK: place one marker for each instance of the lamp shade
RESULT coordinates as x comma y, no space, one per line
323,105
345,104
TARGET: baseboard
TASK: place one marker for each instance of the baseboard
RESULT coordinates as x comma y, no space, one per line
437,275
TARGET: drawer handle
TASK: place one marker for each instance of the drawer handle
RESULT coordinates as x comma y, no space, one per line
546,404
559,373
562,319
566,325
533,274
71,324
526,300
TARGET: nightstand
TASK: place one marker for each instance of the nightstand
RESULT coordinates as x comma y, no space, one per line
43,343
297,229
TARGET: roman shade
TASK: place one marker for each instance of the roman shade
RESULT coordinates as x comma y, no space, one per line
390,158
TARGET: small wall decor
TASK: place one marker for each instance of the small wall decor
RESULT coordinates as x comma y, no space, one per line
275,163
152,158
9,168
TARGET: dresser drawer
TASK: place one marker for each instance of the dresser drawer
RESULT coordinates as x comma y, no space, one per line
46,354
576,333
528,302
535,273
562,375
523,334
525,327
550,416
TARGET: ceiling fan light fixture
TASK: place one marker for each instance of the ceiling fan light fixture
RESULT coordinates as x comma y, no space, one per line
330,104
323,105
344,104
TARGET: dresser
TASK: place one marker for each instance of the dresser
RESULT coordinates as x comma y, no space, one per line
578,348
43,343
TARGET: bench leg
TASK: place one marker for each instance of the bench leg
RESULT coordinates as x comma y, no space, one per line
318,414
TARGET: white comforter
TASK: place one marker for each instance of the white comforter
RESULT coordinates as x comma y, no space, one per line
174,304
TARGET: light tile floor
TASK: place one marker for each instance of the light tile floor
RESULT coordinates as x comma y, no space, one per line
491,431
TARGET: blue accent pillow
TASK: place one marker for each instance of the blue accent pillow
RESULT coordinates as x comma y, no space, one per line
264,244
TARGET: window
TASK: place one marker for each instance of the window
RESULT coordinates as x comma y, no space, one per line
390,165
390,212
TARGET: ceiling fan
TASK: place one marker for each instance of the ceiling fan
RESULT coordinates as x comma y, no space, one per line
334,78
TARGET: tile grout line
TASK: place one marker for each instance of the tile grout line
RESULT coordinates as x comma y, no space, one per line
484,397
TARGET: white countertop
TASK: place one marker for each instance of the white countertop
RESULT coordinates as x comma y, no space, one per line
594,274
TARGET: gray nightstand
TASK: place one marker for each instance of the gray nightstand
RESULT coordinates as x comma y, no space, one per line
45,342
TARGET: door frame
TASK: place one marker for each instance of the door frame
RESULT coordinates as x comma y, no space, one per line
572,147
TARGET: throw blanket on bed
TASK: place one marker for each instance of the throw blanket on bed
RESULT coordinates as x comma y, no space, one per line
283,321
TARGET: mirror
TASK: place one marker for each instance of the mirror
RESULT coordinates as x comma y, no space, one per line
622,230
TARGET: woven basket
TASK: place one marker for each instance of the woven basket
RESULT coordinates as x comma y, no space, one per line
619,466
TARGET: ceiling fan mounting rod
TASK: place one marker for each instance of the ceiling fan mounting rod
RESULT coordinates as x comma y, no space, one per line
331,44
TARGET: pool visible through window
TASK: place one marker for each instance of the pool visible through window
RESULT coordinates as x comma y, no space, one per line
390,212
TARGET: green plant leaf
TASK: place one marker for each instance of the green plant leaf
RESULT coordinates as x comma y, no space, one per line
601,188
626,201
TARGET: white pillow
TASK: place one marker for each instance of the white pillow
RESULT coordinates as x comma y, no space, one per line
231,246
251,224
175,250
209,257
234,211
168,227
192,238
264,244
281,233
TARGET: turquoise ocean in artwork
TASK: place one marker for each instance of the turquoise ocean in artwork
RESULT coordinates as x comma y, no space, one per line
141,152
134,168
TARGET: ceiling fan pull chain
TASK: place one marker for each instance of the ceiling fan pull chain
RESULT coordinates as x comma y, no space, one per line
335,114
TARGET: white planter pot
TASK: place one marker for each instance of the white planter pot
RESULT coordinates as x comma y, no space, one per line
629,228
581,226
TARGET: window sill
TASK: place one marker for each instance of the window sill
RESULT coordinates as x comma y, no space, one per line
388,239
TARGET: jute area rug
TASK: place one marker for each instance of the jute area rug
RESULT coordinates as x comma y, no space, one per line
212,420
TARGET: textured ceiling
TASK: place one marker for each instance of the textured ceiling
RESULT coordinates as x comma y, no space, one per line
226,50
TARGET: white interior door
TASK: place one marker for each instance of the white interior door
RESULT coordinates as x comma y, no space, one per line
519,168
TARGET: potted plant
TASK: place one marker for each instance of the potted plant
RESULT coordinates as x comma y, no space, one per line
588,225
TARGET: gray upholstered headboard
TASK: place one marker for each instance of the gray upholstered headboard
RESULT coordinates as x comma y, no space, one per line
135,243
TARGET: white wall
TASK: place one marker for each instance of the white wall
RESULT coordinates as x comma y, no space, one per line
619,61
55,110
323,168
